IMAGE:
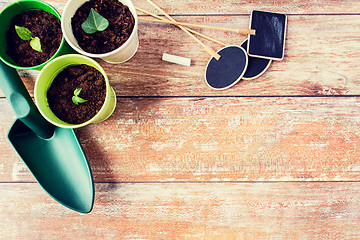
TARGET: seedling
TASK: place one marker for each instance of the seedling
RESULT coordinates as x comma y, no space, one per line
76,99
25,34
94,22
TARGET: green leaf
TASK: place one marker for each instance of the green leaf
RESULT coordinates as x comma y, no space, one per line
23,33
94,22
35,44
76,99
77,91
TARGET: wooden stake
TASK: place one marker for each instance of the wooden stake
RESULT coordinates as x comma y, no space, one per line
239,30
207,48
190,30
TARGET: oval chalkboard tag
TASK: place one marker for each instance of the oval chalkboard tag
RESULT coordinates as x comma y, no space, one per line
256,66
228,70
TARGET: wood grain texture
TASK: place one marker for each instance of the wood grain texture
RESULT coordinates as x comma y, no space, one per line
219,139
272,158
320,59
235,7
188,211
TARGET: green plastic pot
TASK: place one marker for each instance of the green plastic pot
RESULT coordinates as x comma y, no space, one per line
18,8
48,74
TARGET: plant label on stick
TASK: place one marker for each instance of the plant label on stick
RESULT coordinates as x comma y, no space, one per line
269,40
25,34
228,70
94,22
256,66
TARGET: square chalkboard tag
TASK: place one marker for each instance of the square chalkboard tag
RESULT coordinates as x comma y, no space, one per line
269,39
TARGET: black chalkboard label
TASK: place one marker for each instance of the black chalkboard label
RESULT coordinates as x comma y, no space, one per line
228,70
256,66
269,39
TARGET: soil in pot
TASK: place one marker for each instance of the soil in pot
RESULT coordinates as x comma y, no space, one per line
62,90
121,25
41,24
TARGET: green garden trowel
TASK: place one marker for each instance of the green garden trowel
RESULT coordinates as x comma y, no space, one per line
53,154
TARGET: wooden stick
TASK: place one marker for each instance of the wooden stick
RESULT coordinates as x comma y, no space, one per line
190,30
207,48
239,30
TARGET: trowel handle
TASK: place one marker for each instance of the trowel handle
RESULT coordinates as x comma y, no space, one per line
21,102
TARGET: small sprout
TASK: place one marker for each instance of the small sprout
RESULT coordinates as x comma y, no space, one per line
94,22
76,99
25,34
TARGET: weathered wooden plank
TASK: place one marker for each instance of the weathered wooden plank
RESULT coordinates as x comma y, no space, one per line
321,58
188,211
245,7
218,139
198,7
235,144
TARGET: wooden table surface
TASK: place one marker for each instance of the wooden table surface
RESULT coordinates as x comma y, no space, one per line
277,157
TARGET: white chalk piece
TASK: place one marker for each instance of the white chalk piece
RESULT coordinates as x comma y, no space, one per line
176,59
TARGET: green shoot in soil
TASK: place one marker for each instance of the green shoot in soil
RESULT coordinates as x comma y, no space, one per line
76,99
25,34
94,22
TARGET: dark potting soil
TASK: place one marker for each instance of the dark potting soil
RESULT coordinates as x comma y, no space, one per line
41,24
121,24
62,90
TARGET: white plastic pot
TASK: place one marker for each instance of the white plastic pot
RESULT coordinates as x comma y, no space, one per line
119,55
